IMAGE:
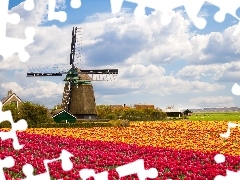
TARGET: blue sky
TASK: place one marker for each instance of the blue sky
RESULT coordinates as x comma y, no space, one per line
177,64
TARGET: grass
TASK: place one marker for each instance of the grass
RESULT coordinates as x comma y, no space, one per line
216,116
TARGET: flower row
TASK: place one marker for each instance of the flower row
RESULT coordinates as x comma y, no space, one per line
192,135
101,156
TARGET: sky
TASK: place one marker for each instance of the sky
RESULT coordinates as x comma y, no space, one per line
175,64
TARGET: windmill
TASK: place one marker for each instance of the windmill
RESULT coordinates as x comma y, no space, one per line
78,96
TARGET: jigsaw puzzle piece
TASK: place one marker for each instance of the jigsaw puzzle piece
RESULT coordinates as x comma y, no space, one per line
137,167
53,15
20,125
29,5
67,165
13,18
230,175
228,132
9,46
165,8
116,5
139,11
236,89
226,7
219,158
75,4
7,162
28,172
87,173
5,17
193,8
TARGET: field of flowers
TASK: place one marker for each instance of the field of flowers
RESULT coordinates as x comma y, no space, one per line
177,149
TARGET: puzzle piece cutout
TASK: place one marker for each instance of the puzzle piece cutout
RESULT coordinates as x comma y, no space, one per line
236,89
7,162
228,132
192,7
220,158
21,125
9,46
76,4
60,15
53,15
29,5
66,163
87,173
226,7
230,175
137,167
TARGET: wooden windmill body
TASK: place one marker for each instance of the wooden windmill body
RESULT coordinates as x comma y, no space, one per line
78,95
82,104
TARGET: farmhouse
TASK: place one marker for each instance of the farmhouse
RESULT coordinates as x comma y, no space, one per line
140,106
11,98
172,112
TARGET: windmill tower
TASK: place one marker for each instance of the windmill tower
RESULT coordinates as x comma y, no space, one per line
78,94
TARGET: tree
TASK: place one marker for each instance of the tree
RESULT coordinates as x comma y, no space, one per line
186,112
131,113
103,111
34,114
14,110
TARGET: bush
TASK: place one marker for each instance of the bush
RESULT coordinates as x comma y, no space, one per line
34,114
131,113
125,123
119,123
5,124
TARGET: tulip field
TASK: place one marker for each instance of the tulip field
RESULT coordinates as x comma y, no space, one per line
181,150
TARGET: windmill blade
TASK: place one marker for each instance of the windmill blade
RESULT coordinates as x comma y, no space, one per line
100,71
43,74
96,71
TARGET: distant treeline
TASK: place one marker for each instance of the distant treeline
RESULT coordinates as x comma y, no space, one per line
130,113
38,115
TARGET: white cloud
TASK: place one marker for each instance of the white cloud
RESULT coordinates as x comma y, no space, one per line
216,101
42,89
43,92
152,79
225,72
215,47
139,49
